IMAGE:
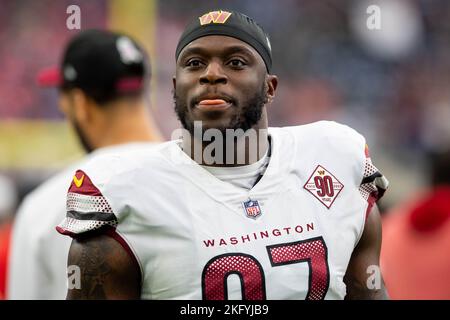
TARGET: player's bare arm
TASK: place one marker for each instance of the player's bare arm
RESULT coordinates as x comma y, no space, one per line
107,270
366,254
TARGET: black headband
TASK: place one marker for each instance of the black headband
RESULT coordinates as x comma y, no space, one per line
232,24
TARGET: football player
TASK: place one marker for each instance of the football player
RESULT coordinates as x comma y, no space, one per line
278,213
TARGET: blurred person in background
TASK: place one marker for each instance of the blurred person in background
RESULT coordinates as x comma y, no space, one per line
8,201
415,255
102,85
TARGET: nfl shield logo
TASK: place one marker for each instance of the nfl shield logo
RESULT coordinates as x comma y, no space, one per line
252,209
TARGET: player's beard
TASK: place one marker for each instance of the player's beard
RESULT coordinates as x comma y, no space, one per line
251,112
82,137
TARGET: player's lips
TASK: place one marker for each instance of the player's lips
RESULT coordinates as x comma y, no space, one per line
213,103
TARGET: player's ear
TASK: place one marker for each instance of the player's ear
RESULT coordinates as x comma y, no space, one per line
65,103
81,108
272,83
174,82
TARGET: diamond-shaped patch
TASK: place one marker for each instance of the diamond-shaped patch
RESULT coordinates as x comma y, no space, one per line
323,185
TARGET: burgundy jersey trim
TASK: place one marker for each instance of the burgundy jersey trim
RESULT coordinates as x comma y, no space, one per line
87,209
373,197
373,185
82,184
65,232
112,232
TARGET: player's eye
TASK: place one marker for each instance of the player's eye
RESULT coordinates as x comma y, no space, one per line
193,63
236,63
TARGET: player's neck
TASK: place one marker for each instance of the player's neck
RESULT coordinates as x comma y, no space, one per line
242,150
126,125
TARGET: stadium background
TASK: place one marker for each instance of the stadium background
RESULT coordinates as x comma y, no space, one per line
392,85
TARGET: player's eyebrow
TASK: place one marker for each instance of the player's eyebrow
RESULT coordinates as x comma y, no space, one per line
225,52
237,49
192,51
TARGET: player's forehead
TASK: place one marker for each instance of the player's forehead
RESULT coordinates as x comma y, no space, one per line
219,45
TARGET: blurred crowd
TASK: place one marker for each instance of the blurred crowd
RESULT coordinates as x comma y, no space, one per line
391,84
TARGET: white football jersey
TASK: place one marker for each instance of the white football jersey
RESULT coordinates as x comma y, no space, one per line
196,237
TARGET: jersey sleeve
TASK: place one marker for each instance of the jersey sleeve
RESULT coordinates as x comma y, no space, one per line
87,209
374,184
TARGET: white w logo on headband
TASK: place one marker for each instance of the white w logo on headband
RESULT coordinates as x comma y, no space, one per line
214,17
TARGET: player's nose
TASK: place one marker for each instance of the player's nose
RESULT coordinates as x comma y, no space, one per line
214,74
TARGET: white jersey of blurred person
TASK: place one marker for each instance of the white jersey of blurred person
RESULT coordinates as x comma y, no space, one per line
102,81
